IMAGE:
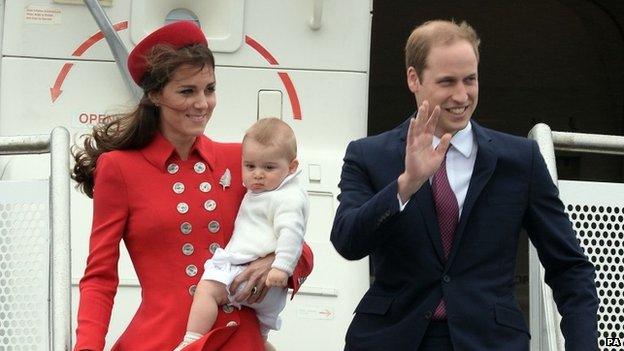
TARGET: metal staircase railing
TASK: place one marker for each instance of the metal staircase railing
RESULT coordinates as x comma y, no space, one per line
545,319
59,306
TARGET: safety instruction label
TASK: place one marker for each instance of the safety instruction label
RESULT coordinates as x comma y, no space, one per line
81,2
38,14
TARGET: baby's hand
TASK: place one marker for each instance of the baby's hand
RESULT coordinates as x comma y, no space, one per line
277,278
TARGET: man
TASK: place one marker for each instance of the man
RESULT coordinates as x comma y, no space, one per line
441,228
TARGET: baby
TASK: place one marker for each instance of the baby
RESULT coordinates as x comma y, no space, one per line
272,218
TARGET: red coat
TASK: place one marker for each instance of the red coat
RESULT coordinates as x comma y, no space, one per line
169,230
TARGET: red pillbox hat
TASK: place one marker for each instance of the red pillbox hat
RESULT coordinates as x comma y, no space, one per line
177,34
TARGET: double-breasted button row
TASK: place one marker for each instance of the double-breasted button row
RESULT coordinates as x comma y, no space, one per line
209,205
198,167
179,187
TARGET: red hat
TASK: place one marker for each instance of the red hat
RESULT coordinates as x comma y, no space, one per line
177,34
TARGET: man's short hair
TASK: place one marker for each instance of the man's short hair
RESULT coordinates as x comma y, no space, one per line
436,32
274,132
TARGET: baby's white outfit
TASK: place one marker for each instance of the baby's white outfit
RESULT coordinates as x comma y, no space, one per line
271,221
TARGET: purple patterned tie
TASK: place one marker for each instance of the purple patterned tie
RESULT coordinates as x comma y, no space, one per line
447,212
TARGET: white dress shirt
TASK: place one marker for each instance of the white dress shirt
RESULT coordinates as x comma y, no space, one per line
460,160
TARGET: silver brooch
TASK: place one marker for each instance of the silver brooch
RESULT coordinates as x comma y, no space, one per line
226,179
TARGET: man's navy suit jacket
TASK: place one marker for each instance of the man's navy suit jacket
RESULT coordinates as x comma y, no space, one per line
510,189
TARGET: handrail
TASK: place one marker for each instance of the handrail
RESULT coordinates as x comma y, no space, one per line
317,15
541,300
57,144
120,53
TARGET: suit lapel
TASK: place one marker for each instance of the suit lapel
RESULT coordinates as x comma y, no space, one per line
424,200
485,164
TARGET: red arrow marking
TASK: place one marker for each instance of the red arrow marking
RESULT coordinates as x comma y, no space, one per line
261,50
290,88
56,91
292,94
97,37
325,313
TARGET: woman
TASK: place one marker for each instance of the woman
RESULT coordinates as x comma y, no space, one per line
172,195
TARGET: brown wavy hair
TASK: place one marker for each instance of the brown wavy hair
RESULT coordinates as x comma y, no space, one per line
134,130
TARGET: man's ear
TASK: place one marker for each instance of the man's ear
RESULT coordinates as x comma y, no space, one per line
292,167
412,80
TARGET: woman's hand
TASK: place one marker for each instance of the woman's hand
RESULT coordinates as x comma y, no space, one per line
254,277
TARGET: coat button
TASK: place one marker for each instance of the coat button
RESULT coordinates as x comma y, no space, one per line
428,315
173,168
210,205
227,308
191,270
183,207
205,187
178,188
188,249
214,226
446,279
213,247
231,324
186,228
191,289
199,167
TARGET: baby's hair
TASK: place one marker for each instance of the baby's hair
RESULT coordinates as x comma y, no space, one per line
274,132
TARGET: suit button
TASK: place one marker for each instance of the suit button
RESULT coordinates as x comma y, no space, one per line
186,228
228,308
192,289
199,167
182,207
173,168
231,324
213,248
178,188
428,315
205,187
191,270
188,249
210,205
446,278
214,226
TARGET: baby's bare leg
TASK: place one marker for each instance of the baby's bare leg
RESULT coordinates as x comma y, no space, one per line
208,296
